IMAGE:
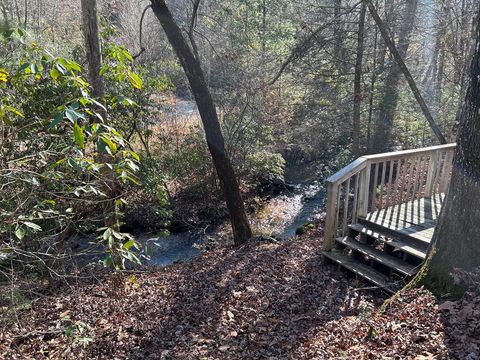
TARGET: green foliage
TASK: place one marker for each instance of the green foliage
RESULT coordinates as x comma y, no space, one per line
60,161
76,331
263,164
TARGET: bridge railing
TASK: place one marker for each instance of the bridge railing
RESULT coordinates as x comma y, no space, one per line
375,182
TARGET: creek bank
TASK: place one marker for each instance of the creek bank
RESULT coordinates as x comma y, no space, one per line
283,208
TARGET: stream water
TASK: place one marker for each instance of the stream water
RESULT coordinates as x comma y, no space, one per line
280,217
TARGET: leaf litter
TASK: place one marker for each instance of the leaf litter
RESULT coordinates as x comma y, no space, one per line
261,301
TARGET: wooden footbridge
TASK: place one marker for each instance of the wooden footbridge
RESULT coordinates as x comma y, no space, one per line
382,211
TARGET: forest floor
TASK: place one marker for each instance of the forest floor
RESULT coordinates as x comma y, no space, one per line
264,300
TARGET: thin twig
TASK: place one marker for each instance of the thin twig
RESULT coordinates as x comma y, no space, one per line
142,48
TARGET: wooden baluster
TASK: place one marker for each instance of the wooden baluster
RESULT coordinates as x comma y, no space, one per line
374,192
448,173
418,167
402,183
382,181
422,179
432,173
441,172
400,180
345,206
411,179
337,215
446,169
389,186
363,191
355,199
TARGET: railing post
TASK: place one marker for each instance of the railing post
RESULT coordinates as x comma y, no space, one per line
448,169
432,173
363,191
330,231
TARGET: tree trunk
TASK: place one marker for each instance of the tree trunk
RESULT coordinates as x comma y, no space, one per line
468,53
389,10
357,84
373,80
6,21
208,114
456,241
337,34
383,130
92,45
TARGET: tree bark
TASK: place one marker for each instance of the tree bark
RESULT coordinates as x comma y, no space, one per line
371,90
456,242
92,45
468,53
208,114
382,136
6,20
357,84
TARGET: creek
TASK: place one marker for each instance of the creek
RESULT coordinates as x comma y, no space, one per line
280,217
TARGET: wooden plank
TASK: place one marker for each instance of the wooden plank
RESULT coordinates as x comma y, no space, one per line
418,164
330,231
389,186
394,155
446,176
422,206
355,198
337,210
409,214
345,206
414,215
374,190
417,241
364,190
360,269
432,174
383,183
348,171
416,228
379,256
396,243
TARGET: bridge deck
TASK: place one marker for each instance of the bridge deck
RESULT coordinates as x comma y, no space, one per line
415,219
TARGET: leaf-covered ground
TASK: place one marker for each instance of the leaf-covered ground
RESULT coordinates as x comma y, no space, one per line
265,300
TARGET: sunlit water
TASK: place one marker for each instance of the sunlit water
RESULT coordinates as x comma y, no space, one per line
279,217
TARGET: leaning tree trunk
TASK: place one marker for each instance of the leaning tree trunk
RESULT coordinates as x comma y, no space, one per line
92,45
208,114
390,99
456,241
388,104
357,85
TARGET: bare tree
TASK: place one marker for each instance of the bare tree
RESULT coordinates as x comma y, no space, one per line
208,113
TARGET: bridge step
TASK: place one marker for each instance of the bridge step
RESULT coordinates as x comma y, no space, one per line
379,256
358,268
377,266
406,235
411,249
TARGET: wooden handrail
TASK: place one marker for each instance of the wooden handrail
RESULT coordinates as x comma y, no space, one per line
406,153
347,171
373,182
